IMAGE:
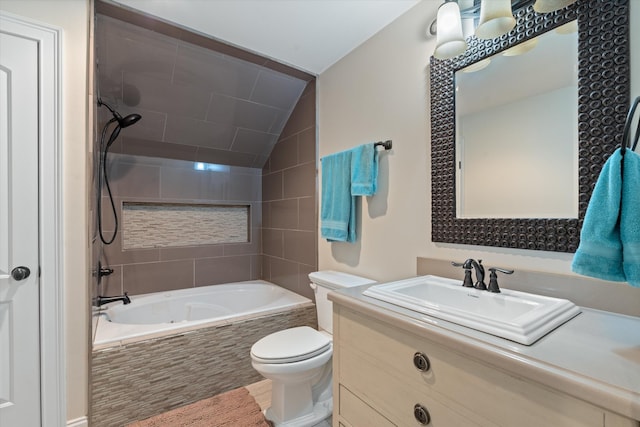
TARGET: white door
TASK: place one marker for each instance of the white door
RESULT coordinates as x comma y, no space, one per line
19,295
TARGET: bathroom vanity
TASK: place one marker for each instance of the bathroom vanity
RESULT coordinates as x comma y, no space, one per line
394,366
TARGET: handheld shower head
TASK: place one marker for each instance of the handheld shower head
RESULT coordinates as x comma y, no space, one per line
129,120
103,178
123,122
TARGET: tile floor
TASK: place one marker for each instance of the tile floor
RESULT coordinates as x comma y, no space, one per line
261,392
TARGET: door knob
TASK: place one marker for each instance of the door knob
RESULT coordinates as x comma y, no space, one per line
20,273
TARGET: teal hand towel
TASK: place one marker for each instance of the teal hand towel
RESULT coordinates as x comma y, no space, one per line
600,251
364,170
610,237
630,218
337,208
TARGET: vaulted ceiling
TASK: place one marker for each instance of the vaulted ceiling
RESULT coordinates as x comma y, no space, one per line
220,89
196,103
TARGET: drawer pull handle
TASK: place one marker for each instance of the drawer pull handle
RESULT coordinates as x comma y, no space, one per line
421,414
421,362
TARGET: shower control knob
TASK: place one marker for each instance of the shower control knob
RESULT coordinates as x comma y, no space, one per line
20,273
421,362
421,414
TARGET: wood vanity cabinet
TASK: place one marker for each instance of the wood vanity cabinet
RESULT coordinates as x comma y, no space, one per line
386,376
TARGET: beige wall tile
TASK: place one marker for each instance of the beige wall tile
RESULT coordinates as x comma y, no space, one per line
157,276
192,184
190,252
114,254
284,273
214,271
300,246
285,153
273,242
147,147
272,186
307,213
307,145
297,181
284,214
131,180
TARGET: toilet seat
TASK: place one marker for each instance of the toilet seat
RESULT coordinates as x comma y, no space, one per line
290,345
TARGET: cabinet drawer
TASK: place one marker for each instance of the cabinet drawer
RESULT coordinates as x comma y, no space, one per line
489,393
392,397
357,413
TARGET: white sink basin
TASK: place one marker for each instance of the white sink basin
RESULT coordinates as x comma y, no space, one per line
517,316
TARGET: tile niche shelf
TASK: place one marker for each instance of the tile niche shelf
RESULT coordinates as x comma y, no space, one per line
160,225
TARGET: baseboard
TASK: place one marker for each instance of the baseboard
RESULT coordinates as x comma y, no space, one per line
78,422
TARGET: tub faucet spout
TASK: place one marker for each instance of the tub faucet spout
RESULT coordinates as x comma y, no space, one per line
100,301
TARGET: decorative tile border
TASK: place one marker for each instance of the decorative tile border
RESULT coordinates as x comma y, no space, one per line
161,225
139,380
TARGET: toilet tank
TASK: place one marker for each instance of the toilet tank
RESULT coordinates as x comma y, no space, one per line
323,282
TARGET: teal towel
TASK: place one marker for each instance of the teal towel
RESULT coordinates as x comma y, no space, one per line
346,175
337,210
364,170
630,218
610,238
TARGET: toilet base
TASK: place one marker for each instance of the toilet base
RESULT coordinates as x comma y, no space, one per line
321,411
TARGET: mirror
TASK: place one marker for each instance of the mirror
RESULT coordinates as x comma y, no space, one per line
517,130
603,100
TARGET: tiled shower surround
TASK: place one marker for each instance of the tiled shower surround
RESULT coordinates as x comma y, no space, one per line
155,180
289,211
153,161
139,380
265,161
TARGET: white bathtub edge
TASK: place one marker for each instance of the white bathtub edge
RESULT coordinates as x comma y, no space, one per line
105,329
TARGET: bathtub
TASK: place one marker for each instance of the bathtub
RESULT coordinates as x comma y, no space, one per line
169,349
164,313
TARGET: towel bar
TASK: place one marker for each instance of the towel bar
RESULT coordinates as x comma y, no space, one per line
386,144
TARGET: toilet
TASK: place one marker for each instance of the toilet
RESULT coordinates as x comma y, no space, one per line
298,360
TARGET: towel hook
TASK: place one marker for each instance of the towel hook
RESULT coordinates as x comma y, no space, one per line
626,138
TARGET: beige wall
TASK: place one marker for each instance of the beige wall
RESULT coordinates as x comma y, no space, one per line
381,90
72,16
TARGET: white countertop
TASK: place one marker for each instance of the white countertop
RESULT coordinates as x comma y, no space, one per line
594,357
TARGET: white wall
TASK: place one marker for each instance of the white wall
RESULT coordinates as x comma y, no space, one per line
73,17
381,90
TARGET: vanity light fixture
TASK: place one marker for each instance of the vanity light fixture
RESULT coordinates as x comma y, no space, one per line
496,19
450,41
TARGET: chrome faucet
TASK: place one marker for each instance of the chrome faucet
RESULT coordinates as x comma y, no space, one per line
468,265
100,301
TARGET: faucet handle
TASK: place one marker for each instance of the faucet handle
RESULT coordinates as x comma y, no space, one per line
501,270
493,279
467,282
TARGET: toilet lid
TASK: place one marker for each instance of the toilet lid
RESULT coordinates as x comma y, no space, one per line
290,345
